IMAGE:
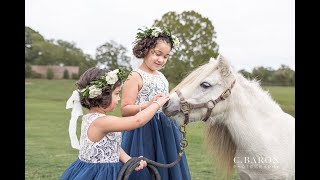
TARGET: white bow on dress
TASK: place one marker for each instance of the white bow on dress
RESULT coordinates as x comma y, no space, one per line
74,103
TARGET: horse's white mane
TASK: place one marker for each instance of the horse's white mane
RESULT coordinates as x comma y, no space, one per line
251,90
253,95
248,123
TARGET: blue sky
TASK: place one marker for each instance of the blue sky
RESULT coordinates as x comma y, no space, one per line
250,33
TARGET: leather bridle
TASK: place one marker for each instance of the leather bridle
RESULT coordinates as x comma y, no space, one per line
186,107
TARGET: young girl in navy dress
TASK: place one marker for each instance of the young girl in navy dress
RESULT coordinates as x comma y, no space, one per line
159,139
100,155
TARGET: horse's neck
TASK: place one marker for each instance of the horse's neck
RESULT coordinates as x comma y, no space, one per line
250,97
251,115
258,126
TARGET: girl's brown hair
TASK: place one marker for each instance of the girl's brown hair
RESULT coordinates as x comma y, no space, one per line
142,47
102,100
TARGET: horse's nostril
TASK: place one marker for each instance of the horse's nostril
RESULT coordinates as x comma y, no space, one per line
166,104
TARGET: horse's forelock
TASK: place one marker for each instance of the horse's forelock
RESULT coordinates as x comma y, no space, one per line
196,75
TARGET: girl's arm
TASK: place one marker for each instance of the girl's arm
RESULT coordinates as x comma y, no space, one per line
124,157
105,124
130,90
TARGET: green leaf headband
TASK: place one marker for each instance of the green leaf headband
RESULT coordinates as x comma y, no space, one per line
155,32
110,78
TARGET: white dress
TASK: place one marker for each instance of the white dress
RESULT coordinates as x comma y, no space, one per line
159,139
105,150
153,84
97,160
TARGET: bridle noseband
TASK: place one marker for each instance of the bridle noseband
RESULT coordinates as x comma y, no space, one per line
186,107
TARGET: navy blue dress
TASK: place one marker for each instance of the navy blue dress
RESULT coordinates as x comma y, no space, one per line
159,139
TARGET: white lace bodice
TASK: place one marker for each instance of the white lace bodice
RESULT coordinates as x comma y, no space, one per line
107,150
153,84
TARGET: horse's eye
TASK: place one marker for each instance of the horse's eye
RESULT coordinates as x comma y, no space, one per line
205,85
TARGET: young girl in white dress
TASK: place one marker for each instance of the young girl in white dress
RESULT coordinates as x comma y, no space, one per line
158,140
100,154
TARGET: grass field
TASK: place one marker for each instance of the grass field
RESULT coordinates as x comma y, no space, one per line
48,152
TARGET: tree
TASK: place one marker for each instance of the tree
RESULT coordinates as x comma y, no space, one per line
32,39
113,55
66,74
71,55
28,71
245,73
284,76
50,74
197,43
86,64
40,51
263,74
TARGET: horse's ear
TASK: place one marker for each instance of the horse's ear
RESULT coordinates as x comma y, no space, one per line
223,66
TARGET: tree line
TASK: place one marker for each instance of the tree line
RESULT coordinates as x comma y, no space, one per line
197,44
283,76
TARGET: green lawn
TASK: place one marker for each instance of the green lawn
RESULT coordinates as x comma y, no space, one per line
48,152
284,96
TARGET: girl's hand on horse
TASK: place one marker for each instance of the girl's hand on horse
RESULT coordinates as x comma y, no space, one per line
161,100
155,98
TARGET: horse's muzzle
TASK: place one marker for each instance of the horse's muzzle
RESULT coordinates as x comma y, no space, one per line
166,110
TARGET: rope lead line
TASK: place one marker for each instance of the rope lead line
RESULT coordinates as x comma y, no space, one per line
132,163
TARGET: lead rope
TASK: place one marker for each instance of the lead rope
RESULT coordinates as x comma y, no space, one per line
132,163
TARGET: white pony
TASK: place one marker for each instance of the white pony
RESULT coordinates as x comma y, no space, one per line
245,127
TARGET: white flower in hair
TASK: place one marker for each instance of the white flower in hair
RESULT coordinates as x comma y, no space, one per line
156,31
97,85
112,76
114,71
176,41
94,91
82,90
111,79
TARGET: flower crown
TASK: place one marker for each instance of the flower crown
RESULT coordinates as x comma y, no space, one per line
155,32
95,88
